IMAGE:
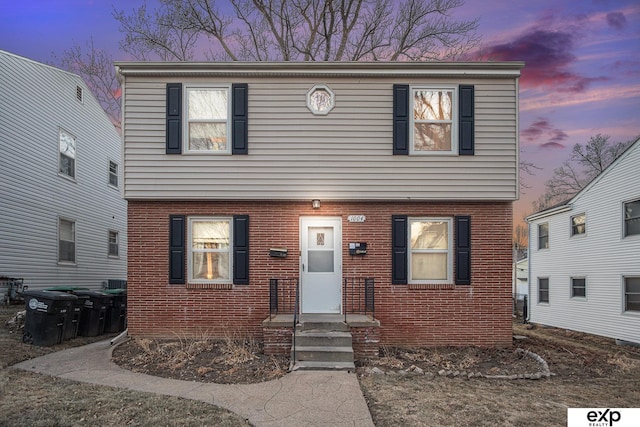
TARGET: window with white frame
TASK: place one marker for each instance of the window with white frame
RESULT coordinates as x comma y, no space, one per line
113,174
434,115
543,236
431,250
67,150
632,294
578,224
632,218
208,124
543,290
113,243
66,241
210,254
578,287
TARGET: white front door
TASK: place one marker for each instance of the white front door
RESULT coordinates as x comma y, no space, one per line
321,264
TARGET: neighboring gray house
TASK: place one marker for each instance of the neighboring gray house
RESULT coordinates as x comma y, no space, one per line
584,256
63,220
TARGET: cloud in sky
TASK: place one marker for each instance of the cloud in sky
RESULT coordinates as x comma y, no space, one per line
548,55
542,130
616,20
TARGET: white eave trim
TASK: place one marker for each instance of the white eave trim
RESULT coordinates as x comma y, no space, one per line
328,69
549,212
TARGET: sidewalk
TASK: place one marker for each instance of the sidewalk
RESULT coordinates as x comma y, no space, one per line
301,398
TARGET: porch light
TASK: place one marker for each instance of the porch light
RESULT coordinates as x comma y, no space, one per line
315,204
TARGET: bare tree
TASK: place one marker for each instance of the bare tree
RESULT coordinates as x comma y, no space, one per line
585,163
298,30
95,66
520,241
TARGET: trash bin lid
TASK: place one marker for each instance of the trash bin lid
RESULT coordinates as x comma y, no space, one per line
116,292
90,293
49,295
67,289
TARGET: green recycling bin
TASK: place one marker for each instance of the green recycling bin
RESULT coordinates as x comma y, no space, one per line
116,318
46,316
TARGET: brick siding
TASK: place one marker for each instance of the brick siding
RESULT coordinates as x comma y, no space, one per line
478,314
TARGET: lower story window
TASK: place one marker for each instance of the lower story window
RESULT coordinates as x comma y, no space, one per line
578,287
66,241
430,251
543,290
632,294
210,250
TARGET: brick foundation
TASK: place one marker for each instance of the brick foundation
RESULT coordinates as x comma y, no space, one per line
477,314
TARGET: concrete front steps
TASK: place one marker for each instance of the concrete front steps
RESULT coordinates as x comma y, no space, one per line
323,345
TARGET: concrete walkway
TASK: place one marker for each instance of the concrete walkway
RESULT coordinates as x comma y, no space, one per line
301,398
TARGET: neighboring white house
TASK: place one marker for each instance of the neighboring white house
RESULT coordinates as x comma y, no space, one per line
521,278
584,256
63,220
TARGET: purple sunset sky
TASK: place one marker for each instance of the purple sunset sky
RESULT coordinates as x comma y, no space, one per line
582,73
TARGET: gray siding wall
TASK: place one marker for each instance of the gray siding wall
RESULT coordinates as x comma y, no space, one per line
35,101
603,256
344,155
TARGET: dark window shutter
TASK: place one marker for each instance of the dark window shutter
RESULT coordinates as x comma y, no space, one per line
466,125
463,250
239,132
400,119
399,249
176,249
174,118
241,250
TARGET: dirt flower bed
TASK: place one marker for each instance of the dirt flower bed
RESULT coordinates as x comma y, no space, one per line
456,361
228,361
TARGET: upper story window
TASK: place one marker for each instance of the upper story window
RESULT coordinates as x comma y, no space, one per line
578,224
208,124
430,250
113,173
66,241
543,236
210,256
67,150
632,218
320,100
434,115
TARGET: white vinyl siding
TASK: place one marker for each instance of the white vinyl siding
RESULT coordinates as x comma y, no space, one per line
296,155
34,196
604,256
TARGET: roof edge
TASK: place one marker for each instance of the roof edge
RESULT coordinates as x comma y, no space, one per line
487,69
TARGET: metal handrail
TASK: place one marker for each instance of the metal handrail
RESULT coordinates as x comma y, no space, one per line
295,323
358,296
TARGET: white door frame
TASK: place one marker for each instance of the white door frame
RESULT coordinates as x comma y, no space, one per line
321,291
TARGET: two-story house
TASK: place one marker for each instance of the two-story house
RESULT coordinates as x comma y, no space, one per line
63,218
241,175
584,256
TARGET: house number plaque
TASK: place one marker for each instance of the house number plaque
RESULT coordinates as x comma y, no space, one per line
356,218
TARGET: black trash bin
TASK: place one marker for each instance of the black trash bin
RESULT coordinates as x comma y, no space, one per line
94,311
117,313
73,316
46,317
